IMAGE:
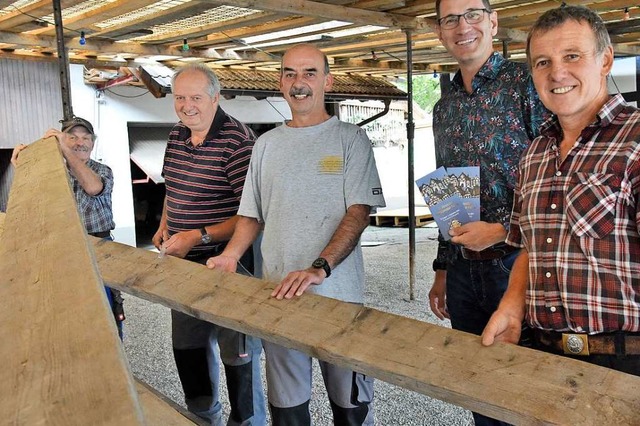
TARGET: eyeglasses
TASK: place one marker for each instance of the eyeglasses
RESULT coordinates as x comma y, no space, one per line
472,16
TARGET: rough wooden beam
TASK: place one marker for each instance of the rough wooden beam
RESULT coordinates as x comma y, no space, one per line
160,410
62,360
331,11
102,13
181,11
511,383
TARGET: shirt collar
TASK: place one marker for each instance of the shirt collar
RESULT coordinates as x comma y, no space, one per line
218,121
605,116
488,71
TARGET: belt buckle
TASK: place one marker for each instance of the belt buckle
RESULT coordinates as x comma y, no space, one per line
575,344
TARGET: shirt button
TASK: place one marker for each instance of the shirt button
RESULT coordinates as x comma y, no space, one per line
552,309
549,240
558,173
553,206
548,275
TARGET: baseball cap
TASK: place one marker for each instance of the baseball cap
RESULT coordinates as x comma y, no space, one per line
77,121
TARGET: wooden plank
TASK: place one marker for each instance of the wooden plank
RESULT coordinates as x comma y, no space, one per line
62,360
511,383
334,12
400,217
160,410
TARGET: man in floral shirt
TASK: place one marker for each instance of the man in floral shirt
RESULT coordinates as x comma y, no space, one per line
486,118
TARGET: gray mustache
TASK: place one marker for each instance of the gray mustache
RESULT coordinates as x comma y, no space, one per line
301,91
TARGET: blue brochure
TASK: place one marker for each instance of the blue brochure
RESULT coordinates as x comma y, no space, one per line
467,181
444,201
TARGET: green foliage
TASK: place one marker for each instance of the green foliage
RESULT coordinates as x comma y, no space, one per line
426,90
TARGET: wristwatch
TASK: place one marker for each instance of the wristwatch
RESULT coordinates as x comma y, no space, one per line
205,238
439,265
321,263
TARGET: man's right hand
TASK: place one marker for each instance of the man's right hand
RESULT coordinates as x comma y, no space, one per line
15,153
438,295
162,234
503,326
223,263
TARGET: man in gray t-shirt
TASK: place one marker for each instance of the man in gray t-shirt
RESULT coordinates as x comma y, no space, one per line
312,184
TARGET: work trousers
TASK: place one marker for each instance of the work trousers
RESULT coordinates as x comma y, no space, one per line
289,375
198,347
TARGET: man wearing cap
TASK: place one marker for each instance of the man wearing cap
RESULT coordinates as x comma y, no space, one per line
92,184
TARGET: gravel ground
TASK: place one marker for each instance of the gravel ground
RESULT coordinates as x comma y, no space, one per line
148,344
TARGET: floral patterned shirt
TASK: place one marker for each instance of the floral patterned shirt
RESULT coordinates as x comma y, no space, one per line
489,128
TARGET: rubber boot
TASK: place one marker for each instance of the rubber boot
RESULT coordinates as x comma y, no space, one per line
291,416
349,416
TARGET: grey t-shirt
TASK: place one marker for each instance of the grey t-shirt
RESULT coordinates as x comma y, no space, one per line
300,183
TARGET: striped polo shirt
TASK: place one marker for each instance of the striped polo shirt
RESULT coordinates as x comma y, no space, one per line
204,183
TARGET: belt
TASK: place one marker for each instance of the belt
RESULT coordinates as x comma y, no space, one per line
102,234
618,343
491,253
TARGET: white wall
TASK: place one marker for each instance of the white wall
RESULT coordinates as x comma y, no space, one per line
111,111
624,73
393,167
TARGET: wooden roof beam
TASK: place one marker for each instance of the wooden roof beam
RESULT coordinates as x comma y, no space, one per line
99,14
334,12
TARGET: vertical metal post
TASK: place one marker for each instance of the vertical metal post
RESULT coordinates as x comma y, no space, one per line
505,49
63,63
411,177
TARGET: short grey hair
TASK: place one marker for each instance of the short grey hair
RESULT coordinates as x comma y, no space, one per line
555,17
213,88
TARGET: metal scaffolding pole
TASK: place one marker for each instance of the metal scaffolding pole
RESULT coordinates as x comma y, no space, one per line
63,63
411,178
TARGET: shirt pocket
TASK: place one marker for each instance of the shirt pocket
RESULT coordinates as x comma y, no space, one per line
591,204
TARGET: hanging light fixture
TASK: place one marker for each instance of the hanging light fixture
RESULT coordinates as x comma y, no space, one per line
185,45
82,40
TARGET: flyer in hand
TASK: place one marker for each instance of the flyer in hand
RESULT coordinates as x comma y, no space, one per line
441,193
467,181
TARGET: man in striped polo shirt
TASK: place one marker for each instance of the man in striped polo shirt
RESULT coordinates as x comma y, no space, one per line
205,165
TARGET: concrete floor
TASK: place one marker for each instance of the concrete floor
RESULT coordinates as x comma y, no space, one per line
148,345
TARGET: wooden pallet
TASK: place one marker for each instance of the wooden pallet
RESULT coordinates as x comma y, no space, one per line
400,217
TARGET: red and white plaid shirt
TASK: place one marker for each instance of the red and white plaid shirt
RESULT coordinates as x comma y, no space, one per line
580,220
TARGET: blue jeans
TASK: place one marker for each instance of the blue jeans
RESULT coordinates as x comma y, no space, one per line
474,290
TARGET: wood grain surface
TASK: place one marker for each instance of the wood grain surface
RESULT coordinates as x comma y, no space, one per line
519,385
62,360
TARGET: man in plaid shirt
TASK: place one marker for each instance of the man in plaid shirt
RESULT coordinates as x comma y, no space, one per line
576,211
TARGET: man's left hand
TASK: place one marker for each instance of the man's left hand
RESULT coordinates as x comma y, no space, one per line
181,243
478,235
297,282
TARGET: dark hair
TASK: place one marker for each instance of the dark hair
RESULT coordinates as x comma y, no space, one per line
485,3
214,85
327,70
555,17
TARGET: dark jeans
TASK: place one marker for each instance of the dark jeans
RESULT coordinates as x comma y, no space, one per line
474,290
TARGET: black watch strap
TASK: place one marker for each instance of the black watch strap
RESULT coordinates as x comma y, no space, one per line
321,262
439,265
204,236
